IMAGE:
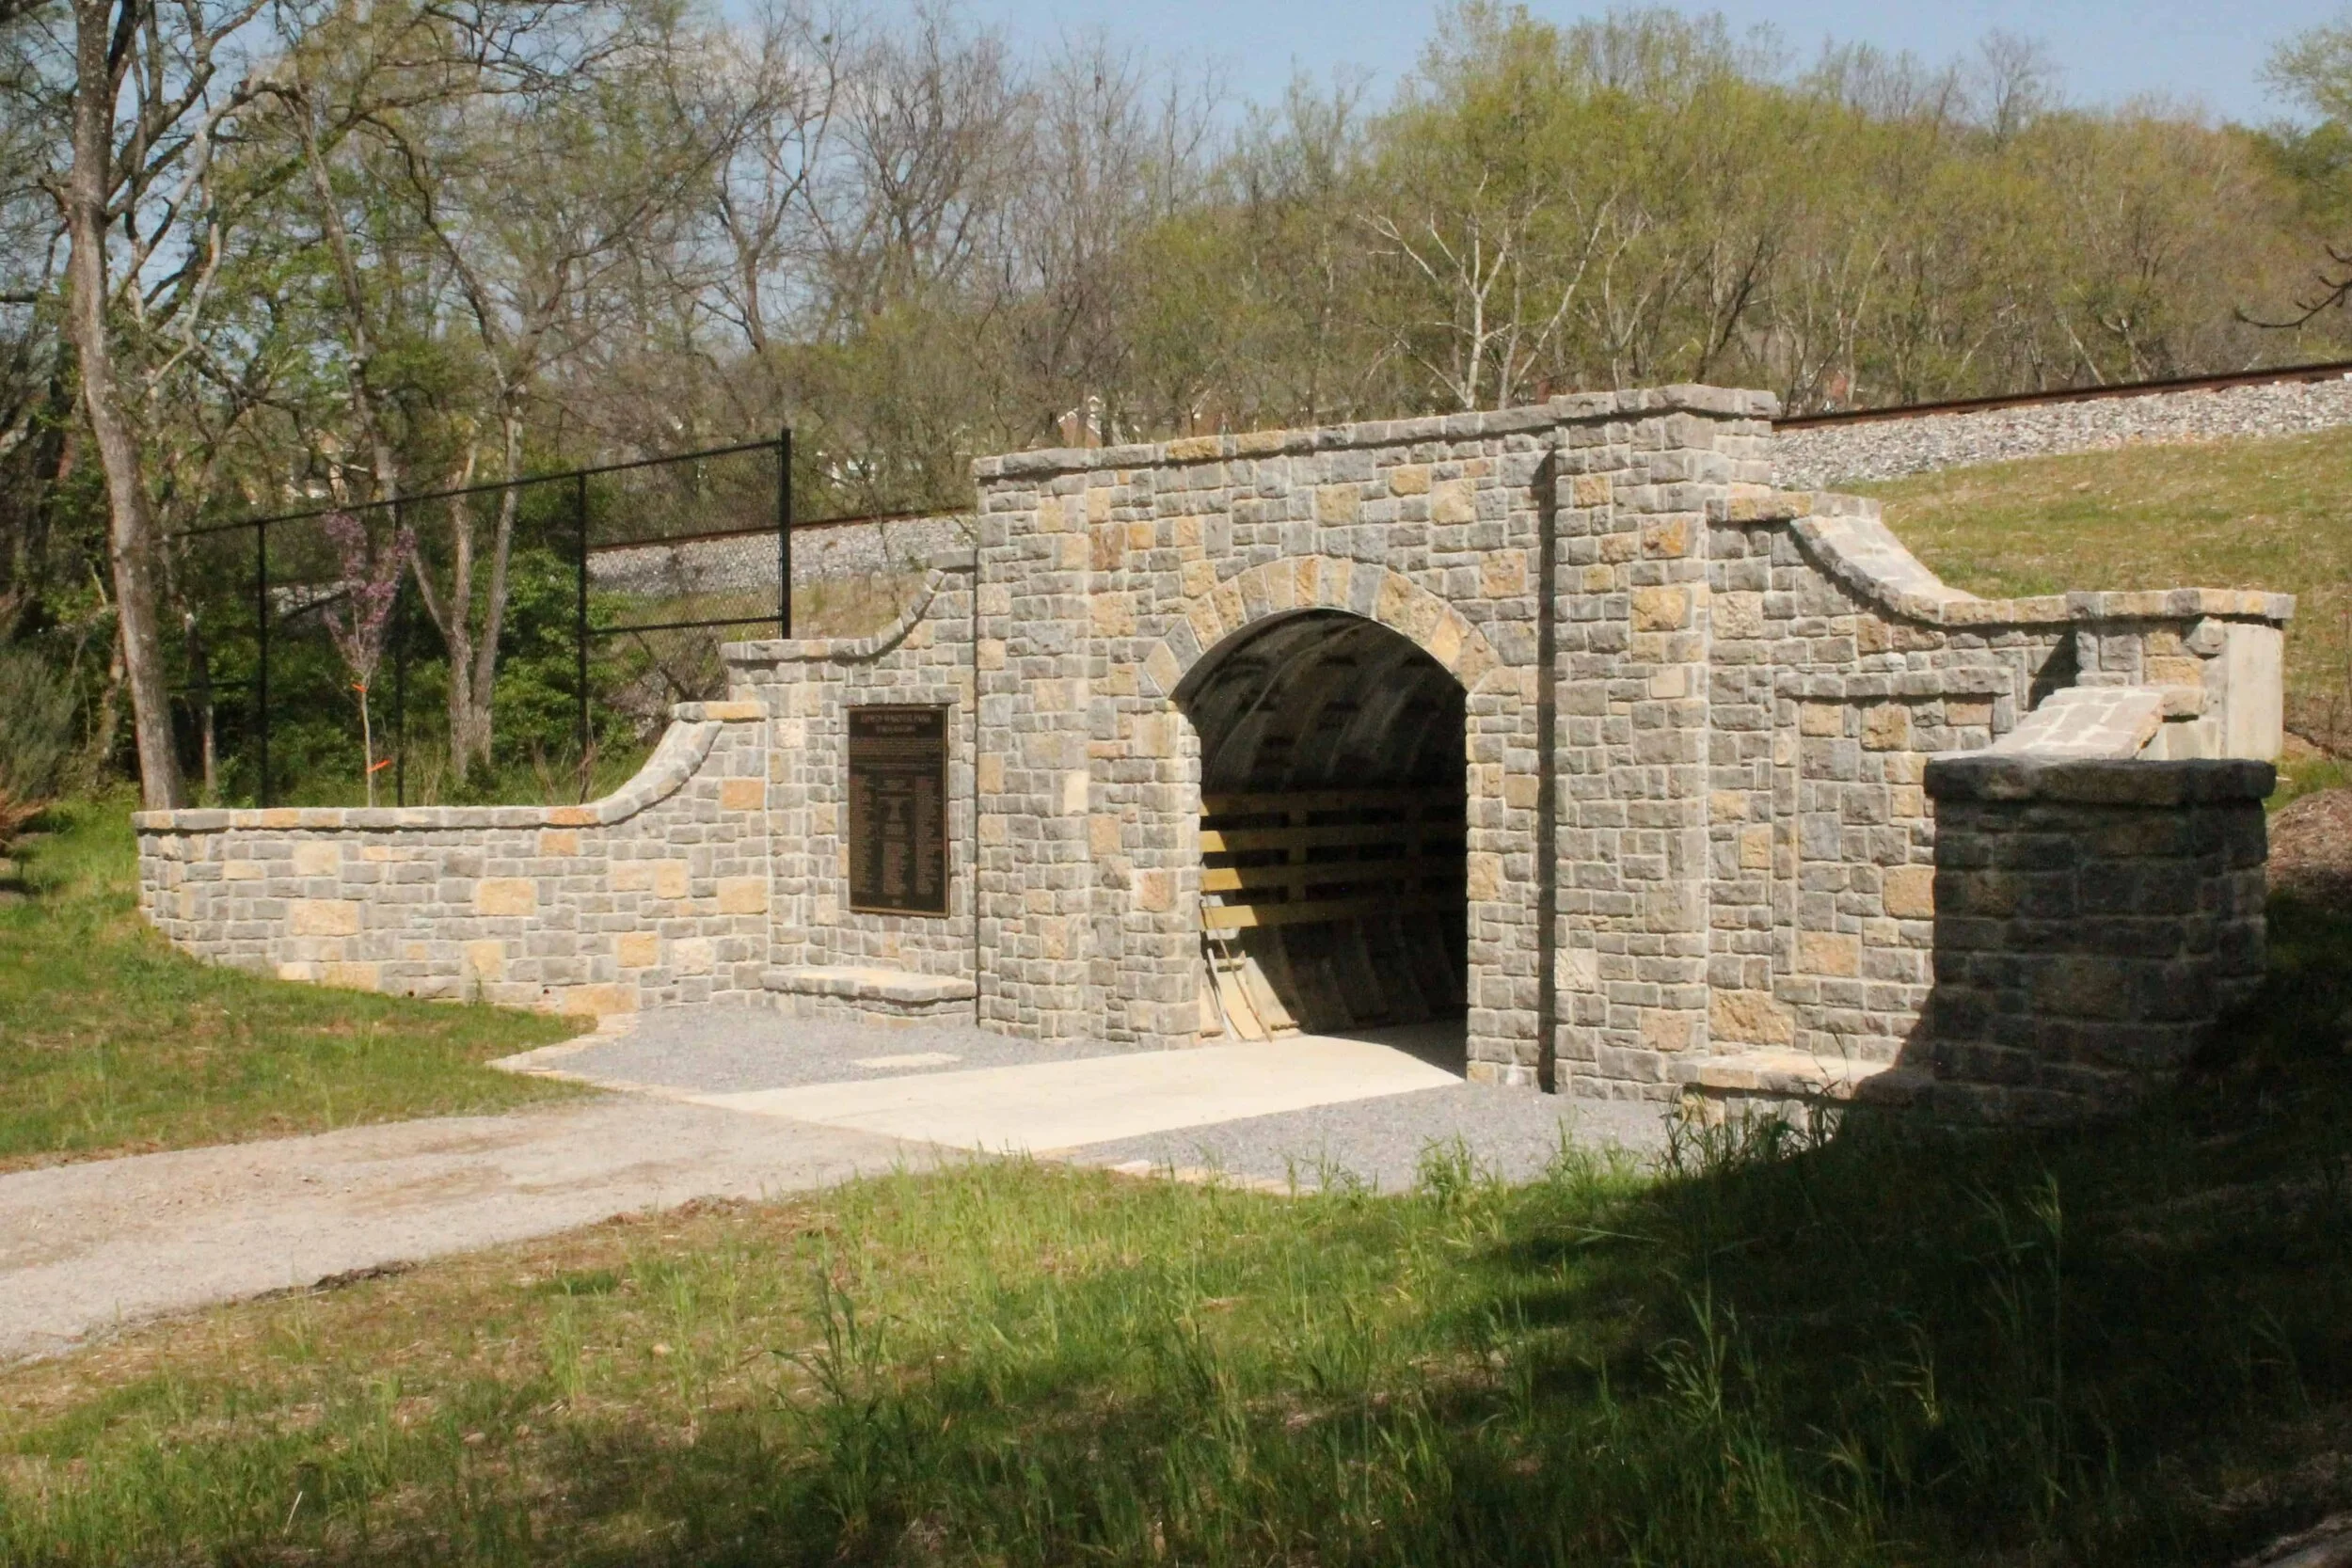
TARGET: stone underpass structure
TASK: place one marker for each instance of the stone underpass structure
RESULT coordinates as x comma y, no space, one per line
1559,720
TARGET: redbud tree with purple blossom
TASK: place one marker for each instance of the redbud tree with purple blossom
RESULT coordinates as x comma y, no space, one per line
363,615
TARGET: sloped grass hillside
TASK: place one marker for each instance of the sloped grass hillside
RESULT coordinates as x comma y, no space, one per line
112,1042
2122,1346
2251,514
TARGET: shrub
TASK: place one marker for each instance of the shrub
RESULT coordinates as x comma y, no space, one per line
37,723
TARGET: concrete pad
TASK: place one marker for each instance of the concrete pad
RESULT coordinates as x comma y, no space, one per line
1047,1106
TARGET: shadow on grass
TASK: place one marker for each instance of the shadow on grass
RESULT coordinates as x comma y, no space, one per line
2124,1344
2118,1345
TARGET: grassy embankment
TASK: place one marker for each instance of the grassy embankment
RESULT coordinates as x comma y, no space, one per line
2124,1346
2267,513
111,1042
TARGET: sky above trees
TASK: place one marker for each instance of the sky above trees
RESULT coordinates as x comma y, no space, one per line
2107,51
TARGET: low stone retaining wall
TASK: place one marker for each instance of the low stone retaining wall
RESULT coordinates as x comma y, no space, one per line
2094,920
1823,456
657,893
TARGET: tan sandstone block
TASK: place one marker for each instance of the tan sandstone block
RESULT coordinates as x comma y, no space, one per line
1196,449
1485,875
1749,1018
742,794
1099,504
1114,615
1909,892
1337,503
742,895
1103,834
670,879
1155,891
599,1001
351,977
487,959
1664,608
505,895
1755,847
242,871
990,774
1666,1030
692,956
1591,490
1502,573
1519,791
990,654
317,860
322,917
1827,953
1453,500
1445,641
1821,719
1886,727
1667,538
559,841
1968,715
1728,805
1410,479
638,949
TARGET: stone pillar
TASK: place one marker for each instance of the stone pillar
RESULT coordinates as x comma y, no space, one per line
1640,476
2094,919
1032,770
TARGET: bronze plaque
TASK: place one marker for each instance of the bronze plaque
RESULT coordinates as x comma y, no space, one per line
898,809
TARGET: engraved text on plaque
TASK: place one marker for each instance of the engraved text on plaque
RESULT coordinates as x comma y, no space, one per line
898,809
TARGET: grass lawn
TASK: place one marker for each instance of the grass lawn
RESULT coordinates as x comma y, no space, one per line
111,1042
2271,513
2122,1346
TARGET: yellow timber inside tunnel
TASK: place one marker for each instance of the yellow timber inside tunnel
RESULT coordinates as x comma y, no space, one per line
1332,883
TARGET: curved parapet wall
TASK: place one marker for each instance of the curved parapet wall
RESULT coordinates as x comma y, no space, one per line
657,892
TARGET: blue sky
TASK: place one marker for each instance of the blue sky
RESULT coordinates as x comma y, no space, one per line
2206,51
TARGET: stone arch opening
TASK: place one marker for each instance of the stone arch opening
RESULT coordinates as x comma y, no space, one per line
1333,894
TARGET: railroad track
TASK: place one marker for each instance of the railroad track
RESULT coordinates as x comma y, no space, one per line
2337,370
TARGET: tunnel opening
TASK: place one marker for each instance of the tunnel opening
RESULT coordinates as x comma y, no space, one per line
1333,894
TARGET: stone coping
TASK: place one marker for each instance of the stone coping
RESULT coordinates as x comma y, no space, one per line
868,983
683,747
1719,401
819,650
2105,781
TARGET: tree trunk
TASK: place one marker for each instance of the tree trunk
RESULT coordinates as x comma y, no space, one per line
485,683
131,536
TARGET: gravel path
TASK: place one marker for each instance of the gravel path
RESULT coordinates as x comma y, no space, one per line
1380,1143
85,1246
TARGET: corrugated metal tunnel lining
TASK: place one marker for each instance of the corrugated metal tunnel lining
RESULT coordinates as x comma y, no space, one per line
1331,788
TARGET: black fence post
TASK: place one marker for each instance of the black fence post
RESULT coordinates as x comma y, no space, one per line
784,532
580,615
400,674
261,661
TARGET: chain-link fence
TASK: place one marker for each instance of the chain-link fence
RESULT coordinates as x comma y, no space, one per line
521,640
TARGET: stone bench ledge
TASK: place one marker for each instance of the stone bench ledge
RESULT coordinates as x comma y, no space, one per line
1797,1075
858,984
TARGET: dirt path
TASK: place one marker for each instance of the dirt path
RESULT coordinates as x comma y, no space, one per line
83,1246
